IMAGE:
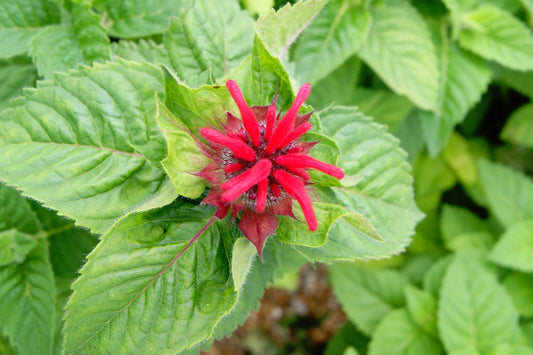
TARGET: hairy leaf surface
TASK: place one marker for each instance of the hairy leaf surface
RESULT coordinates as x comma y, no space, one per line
16,73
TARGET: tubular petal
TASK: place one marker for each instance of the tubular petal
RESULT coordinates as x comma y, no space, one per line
296,188
248,117
299,172
258,172
295,134
232,168
237,146
276,191
235,180
305,161
286,124
260,203
270,121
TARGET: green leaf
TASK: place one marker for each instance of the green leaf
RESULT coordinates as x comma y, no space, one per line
474,309
61,47
397,334
380,190
435,275
345,337
16,74
16,213
91,137
20,20
27,302
511,349
139,51
496,35
509,193
520,287
335,35
519,127
515,247
279,29
461,229
133,280
213,35
464,78
432,178
367,295
422,309
400,51
527,329
14,246
127,19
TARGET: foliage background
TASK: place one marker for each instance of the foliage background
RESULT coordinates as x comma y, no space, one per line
451,80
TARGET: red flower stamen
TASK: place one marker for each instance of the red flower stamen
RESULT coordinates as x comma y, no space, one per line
296,188
258,166
305,161
248,117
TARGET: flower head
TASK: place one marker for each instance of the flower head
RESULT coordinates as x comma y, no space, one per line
259,165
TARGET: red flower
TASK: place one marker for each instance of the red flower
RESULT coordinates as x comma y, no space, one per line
258,166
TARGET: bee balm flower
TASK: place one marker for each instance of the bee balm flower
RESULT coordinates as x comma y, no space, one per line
259,166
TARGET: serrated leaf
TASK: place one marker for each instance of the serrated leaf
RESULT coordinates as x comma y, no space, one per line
16,213
422,309
27,302
213,35
496,35
519,127
397,334
61,47
399,49
474,309
520,287
515,247
509,193
382,191
91,136
279,29
16,74
127,19
133,280
21,20
335,35
367,295
464,78
142,50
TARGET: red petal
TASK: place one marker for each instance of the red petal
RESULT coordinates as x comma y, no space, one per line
305,161
283,208
236,180
295,134
260,203
248,117
258,172
257,227
210,173
286,124
270,121
232,168
275,189
299,172
213,199
303,147
237,146
296,188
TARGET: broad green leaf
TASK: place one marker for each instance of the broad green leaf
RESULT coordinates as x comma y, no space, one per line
410,134
16,73
456,8
335,35
515,247
135,19
213,35
27,302
61,47
519,127
417,266
347,336
496,35
399,49
20,20
397,334
527,329
367,295
432,178
511,349
520,287
474,309
16,212
91,137
509,193
5,347
435,275
422,308
518,80
350,351
464,78
279,29
528,7
139,51
134,280
14,246
461,229
258,7
381,190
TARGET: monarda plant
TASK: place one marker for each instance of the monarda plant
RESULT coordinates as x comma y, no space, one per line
143,183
